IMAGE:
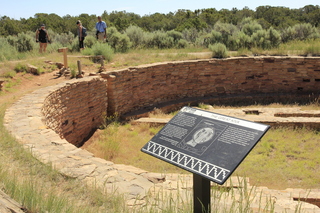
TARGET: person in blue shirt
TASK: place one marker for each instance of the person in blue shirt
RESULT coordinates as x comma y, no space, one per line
101,28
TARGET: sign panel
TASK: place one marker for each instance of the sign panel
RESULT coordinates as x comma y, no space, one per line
206,143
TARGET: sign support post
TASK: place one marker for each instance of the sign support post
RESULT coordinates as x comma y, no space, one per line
201,194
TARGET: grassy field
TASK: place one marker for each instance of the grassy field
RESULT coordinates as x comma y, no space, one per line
284,158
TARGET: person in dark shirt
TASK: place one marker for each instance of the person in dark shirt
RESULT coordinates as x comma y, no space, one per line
42,37
81,36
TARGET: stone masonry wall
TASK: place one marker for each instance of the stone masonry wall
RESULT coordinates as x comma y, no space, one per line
144,86
75,109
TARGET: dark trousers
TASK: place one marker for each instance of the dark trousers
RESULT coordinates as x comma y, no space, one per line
81,46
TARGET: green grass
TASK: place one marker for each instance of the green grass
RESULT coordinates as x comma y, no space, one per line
300,48
284,158
133,57
117,142
40,188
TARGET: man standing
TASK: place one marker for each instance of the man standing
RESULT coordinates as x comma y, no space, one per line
42,37
101,27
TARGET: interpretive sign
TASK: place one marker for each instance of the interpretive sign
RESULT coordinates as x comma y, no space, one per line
205,143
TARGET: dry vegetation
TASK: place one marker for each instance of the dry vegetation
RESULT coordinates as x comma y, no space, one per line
284,158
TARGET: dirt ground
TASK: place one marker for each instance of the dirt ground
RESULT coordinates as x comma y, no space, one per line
28,83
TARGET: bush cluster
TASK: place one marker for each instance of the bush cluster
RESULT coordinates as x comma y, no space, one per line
248,34
219,50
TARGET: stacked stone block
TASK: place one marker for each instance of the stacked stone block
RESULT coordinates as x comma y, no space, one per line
146,86
77,109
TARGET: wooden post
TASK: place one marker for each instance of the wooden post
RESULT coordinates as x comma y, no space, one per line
65,59
79,67
101,61
1,82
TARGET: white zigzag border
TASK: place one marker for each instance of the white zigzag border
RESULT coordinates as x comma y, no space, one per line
186,161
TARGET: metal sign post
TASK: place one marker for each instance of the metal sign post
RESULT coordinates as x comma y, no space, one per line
201,194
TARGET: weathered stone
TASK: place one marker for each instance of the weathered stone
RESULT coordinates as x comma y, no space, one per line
59,65
129,168
136,190
155,177
135,202
32,69
8,205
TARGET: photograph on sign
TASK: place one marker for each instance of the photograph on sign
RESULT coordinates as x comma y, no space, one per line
206,143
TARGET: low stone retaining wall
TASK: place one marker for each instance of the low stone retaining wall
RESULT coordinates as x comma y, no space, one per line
76,109
151,85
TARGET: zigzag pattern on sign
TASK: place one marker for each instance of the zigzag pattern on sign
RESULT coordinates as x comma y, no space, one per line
192,164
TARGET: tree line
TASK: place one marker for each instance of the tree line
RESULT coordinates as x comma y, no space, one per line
223,30
279,18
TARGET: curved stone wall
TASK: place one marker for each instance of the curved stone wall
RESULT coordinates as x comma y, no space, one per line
75,109
157,84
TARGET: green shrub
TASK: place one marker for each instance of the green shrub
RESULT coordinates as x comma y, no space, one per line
182,43
226,30
219,50
244,41
215,37
74,46
9,74
177,36
288,34
111,31
103,49
23,43
40,70
7,51
53,47
73,70
87,51
274,37
119,42
203,40
249,26
21,68
89,41
148,40
191,34
161,40
136,35
305,31
64,39
260,39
